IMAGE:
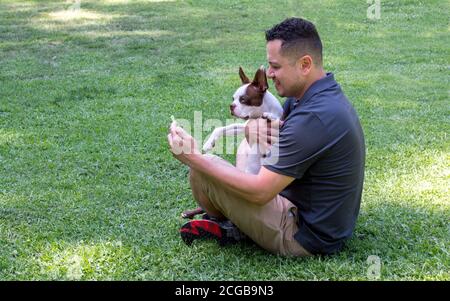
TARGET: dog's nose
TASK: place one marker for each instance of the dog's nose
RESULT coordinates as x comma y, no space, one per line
232,106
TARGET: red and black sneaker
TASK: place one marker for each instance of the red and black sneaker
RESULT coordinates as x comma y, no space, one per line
223,232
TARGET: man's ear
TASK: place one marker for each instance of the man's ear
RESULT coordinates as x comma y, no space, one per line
244,78
305,63
260,80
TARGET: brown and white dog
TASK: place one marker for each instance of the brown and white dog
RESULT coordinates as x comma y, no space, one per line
250,101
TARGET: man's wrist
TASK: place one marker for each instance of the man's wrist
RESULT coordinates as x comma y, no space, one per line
195,160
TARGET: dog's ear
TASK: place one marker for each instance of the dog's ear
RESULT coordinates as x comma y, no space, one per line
244,78
260,80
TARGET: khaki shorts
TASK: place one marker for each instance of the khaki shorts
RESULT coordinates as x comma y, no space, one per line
271,226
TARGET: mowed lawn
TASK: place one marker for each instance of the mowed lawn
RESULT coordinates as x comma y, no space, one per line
89,189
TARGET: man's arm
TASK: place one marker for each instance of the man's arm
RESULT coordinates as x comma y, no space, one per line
258,189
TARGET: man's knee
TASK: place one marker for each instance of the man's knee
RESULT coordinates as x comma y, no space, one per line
200,181
197,179
198,176
193,176
200,186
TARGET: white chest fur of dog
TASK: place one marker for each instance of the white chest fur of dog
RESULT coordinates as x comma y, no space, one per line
250,101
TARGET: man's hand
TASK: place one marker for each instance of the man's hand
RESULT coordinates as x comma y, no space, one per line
182,145
262,131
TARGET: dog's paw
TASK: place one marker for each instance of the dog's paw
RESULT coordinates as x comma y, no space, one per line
269,116
209,145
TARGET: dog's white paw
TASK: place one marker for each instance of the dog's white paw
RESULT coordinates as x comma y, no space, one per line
267,115
209,145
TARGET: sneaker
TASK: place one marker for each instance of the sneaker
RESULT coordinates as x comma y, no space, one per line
224,232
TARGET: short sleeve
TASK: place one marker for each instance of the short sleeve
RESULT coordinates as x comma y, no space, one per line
303,139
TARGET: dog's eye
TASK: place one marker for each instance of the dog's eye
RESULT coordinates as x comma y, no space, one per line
242,99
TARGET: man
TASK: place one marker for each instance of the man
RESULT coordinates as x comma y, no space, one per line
308,201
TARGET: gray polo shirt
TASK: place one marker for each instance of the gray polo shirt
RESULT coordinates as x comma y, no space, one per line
322,146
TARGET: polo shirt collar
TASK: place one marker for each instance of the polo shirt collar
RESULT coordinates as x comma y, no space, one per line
319,86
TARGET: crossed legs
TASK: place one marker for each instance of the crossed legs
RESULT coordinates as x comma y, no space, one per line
196,177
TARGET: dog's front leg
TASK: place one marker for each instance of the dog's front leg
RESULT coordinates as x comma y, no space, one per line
234,129
211,142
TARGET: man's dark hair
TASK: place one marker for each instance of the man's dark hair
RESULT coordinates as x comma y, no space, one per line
299,37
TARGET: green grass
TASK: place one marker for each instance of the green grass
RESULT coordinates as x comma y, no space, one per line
89,190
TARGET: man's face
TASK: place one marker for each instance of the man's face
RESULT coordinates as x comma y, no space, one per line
284,71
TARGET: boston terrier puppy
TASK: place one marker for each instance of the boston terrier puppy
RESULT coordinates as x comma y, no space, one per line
251,100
